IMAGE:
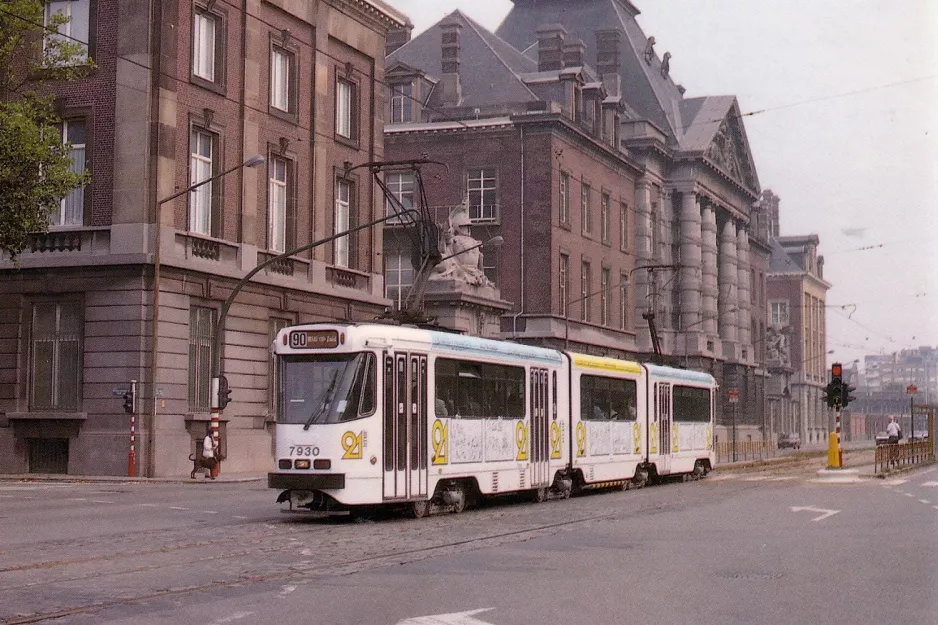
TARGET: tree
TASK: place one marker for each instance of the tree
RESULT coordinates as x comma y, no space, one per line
35,163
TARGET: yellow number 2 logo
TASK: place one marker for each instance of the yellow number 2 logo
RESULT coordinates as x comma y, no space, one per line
352,444
580,440
439,439
521,439
556,439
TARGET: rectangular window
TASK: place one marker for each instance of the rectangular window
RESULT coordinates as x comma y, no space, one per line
483,390
282,91
398,278
343,213
779,312
490,262
585,217
608,399
274,369
401,186
278,198
604,297
691,404
482,193
563,276
205,45
201,335
564,200
655,232
76,30
604,218
624,306
585,280
623,227
55,356
201,168
72,207
346,109
402,103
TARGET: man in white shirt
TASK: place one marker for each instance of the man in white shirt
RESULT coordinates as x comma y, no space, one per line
893,431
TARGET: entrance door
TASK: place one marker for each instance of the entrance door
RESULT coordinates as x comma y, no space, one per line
540,428
664,428
405,426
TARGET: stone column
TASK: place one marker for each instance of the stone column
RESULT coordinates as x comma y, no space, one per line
744,281
728,291
642,241
690,281
709,260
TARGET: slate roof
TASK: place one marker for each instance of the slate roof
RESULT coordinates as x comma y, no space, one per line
489,71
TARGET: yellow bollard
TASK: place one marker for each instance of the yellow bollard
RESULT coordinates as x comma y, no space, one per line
833,452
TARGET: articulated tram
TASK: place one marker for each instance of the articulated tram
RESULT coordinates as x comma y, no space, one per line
380,415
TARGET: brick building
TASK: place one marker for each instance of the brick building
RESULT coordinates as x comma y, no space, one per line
127,286
568,136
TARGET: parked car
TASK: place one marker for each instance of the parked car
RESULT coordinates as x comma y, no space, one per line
789,441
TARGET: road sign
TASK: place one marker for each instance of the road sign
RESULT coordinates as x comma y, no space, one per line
911,389
734,396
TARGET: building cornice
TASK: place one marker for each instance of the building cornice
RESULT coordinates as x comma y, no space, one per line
375,13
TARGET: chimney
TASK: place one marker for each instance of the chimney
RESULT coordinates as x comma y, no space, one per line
574,54
396,38
450,83
550,47
607,51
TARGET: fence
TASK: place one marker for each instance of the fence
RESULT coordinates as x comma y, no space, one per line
745,450
903,454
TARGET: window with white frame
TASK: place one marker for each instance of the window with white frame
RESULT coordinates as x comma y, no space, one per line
481,188
604,218
564,199
281,80
205,45
201,168
624,307
74,31
278,200
55,356
623,227
563,276
345,109
586,278
402,103
401,185
490,262
343,212
604,296
586,218
72,207
398,278
201,340
778,313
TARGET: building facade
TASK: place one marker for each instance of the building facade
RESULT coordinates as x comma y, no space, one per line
128,282
620,198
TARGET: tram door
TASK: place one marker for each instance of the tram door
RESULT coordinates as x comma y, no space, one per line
540,427
405,426
664,427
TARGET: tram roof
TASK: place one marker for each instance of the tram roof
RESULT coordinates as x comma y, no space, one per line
606,364
687,375
488,347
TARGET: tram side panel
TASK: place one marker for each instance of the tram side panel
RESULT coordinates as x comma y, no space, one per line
680,420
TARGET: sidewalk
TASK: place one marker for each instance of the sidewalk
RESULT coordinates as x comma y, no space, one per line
223,478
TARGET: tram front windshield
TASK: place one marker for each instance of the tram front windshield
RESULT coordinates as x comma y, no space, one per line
328,388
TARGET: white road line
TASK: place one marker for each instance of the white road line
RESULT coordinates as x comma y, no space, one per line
177,508
99,501
908,494
930,484
237,616
209,512
925,501
286,590
757,478
239,517
894,482
935,507
77,499
782,478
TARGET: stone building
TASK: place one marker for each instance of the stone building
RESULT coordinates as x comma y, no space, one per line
127,284
598,166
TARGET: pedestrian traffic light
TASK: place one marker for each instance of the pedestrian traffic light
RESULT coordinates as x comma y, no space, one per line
129,402
846,397
224,393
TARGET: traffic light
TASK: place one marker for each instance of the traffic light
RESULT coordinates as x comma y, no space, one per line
129,402
846,397
835,389
224,393
832,395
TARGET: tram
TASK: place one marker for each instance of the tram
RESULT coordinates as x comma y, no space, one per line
382,415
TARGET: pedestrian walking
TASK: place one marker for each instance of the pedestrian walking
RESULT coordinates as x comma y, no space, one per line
209,456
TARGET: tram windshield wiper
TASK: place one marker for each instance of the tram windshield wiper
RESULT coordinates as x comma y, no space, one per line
325,401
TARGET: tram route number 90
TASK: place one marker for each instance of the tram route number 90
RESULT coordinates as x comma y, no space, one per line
314,339
304,450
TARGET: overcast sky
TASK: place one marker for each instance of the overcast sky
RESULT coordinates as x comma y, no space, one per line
847,136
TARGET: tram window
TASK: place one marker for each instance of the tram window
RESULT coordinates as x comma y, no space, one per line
691,404
368,396
330,388
466,389
607,399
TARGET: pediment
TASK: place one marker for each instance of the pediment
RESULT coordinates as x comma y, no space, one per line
729,150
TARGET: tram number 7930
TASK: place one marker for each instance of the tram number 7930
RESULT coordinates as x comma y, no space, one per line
304,450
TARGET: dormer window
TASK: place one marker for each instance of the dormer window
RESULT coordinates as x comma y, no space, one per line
402,103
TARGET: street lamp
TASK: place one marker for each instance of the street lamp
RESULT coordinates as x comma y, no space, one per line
253,161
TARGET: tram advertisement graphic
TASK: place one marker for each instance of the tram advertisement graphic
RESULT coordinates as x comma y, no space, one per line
438,439
556,440
521,439
353,444
581,440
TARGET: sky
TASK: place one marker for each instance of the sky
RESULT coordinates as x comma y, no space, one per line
844,96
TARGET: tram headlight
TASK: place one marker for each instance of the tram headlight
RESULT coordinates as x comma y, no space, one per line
321,464
285,464
301,464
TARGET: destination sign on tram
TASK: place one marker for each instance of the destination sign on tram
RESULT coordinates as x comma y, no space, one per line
314,339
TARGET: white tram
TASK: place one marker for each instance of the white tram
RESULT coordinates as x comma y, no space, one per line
375,415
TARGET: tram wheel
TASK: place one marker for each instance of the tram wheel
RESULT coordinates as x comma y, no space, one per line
420,509
539,495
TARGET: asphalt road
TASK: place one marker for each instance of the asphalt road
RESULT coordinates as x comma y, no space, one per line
749,547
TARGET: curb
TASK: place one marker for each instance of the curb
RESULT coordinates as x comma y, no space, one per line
111,479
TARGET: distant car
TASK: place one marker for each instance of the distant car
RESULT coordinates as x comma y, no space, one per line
789,441
882,438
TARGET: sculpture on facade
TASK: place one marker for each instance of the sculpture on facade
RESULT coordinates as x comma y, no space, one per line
649,53
462,254
666,64
776,341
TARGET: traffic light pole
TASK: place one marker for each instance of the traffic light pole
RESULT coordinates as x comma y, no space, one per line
132,454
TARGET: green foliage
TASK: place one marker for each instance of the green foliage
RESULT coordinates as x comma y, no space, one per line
35,165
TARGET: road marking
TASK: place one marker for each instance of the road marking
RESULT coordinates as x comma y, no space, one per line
757,478
894,482
924,501
99,501
718,478
177,508
908,494
456,618
930,484
824,513
286,590
237,616
77,499
209,512
782,478
239,517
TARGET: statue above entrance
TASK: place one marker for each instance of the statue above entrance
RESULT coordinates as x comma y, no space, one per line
462,254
